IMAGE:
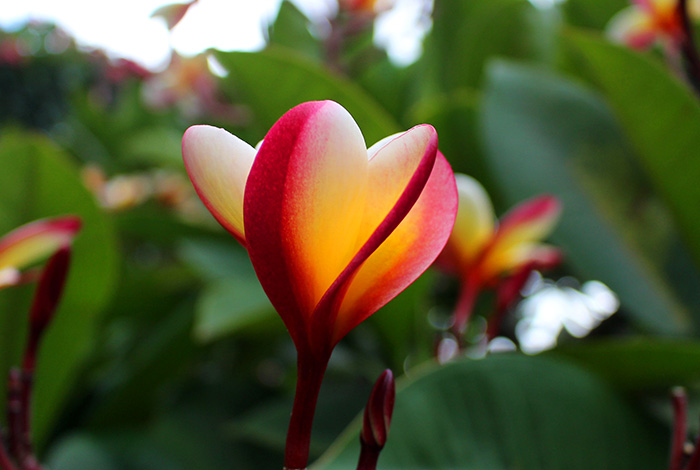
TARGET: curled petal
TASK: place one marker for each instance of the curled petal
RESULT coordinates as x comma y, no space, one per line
304,201
36,240
423,218
218,164
474,225
518,234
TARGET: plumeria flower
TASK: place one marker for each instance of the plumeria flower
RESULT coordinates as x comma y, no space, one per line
484,253
189,84
31,243
647,22
334,230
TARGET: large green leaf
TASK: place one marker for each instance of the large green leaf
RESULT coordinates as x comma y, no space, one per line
543,133
80,453
467,33
455,116
37,180
277,79
639,363
661,117
592,13
228,305
292,29
233,297
507,412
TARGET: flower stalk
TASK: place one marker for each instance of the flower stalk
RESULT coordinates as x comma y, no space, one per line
19,448
468,293
678,459
310,373
679,400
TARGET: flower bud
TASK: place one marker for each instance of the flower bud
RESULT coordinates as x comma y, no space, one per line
375,427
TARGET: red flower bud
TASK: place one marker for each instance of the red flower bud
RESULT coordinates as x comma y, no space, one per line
48,291
375,428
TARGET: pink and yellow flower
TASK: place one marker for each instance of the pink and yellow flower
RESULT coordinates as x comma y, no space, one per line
647,22
334,230
483,252
33,242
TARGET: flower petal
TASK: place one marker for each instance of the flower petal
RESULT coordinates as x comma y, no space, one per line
474,225
304,201
36,240
218,164
633,27
411,234
520,229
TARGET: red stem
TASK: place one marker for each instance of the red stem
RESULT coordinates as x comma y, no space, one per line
14,414
5,461
369,455
694,463
310,371
680,407
493,326
691,60
468,293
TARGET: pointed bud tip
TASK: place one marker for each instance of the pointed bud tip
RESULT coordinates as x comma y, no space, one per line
378,412
49,289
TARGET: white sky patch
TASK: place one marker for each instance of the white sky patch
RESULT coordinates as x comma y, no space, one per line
401,30
225,25
125,28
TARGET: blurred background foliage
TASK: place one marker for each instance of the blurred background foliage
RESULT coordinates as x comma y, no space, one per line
166,353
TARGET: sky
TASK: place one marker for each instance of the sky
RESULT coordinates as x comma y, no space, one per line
126,29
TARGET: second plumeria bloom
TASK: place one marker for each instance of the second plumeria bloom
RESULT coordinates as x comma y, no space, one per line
334,230
483,252
33,242
646,22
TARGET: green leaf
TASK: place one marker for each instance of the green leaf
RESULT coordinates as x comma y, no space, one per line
230,304
37,180
455,116
466,34
507,412
233,298
660,116
266,425
292,29
545,134
639,363
215,260
592,13
154,146
277,79
402,324
80,452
